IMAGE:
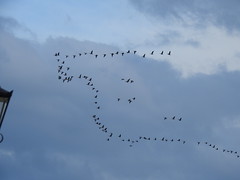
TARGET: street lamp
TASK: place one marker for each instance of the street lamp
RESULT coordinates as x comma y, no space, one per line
5,97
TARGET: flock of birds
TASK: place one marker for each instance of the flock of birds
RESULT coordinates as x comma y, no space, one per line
112,54
63,75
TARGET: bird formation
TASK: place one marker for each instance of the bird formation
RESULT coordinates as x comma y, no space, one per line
65,76
113,54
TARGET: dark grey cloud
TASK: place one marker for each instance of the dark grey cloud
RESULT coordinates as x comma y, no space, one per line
49,130
218,12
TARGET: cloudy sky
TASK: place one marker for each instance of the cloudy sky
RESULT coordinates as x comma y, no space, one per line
51,130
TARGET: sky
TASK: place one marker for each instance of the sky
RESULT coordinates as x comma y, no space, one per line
167,116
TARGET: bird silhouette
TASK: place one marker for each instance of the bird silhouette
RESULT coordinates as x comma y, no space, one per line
152,52
161,53
169,53
104,55
144,55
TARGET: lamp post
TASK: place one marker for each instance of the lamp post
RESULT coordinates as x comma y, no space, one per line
5,97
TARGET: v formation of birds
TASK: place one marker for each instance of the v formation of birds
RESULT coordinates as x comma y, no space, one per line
64,76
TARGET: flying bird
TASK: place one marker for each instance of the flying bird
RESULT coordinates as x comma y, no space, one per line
152,52
169,53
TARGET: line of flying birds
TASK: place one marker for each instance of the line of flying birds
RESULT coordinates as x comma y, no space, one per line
65,77
113,54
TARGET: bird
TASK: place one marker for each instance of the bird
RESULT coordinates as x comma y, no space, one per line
169,53
74,56
118,99
104,55
95,96
161,53
127,81
129,100
134,52
79,54
112,54
95,102
91,52
133,98
96,56
131,81
119,135
180,119
98,107
68,68
198,143
165,118
128,51
173,117
152,52
144,55
66,56
122,53
116,52
80,76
